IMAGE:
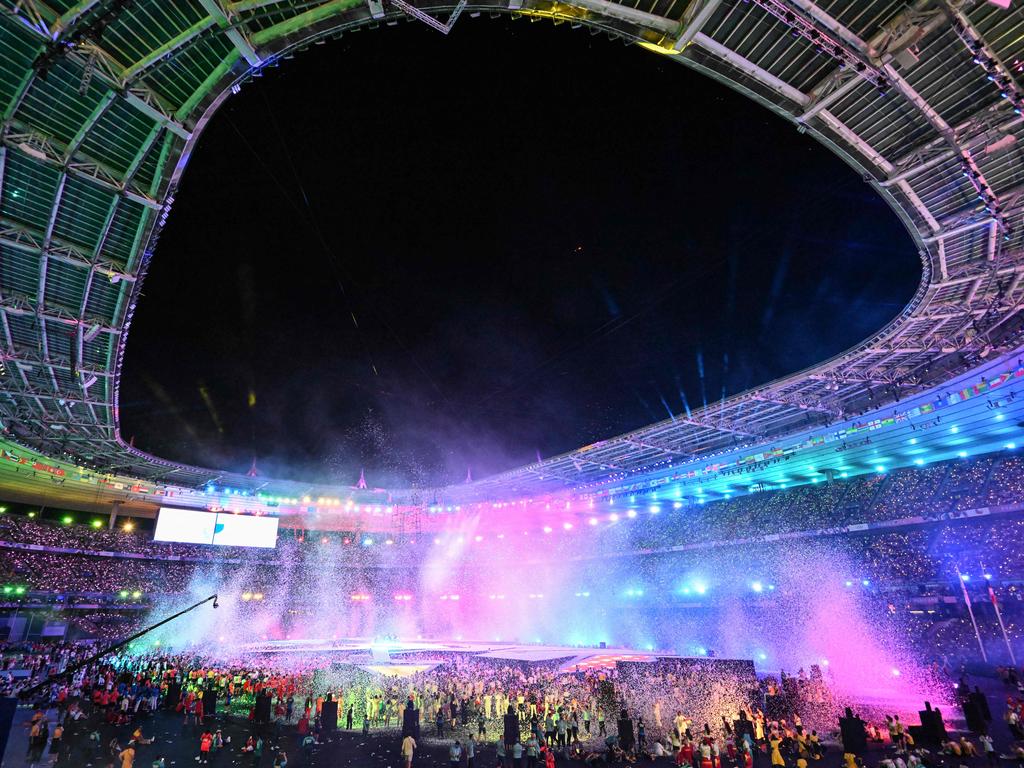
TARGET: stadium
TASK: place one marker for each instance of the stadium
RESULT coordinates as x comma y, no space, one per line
658,579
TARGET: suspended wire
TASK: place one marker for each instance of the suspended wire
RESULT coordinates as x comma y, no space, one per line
337,267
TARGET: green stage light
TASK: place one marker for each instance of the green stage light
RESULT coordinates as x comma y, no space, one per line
68,520
97,523
31,514
19,590
123,593
8,589
136,594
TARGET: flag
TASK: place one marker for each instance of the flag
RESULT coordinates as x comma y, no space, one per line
963,586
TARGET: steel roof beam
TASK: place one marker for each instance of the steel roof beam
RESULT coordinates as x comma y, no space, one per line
88,123
143,101
29,359
753,70
655,447
944,233
234,35
70,16
835,87
694,22
969,278
899,83
968,29
45,151
63,399
16,236
43,274
109,71
22,307
629,14
138,69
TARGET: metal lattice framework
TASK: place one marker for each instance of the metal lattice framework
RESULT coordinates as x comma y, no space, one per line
102,100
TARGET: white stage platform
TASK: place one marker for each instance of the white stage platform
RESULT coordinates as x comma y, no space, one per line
380,651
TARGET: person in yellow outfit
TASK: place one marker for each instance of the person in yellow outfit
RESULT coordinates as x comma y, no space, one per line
775,742
801,742
849,760
814,745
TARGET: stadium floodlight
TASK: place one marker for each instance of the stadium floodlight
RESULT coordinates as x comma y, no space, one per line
19,590
123,594
136,594
757,586
67,520
97,523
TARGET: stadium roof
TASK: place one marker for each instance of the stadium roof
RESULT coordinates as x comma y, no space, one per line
103,100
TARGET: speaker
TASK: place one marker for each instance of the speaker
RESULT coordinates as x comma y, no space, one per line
209,703
173,695
981,701
511,731
329,715
410,722
852,733
7,707
262,709
626,738
933,730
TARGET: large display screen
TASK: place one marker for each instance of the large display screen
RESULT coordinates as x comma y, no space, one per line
188,526
185,525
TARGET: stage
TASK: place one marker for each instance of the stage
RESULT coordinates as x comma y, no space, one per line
380,653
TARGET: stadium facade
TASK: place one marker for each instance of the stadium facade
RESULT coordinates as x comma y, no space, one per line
104,100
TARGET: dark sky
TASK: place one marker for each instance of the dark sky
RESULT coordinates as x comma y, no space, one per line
546,238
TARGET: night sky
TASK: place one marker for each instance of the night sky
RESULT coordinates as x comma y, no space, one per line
546,238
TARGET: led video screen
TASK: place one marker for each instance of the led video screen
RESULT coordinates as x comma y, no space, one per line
187,526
